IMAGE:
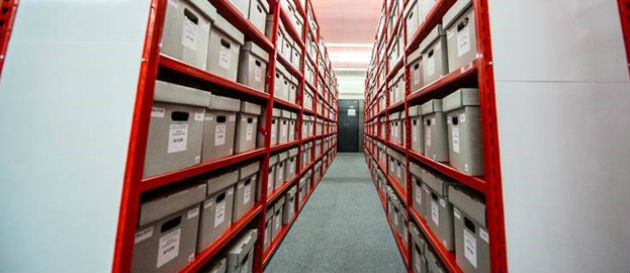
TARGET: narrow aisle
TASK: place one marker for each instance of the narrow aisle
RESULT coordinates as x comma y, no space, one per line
342,227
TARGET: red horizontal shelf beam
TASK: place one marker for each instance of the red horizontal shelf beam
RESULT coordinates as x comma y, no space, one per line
402,193
455,77
399,148
308,111
234,16
176,176
290,28
205,256
283,146
285,104
396,106
477,183
447,257
185,69
433,18
287,64
277,193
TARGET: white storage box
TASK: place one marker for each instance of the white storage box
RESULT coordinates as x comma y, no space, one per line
417,137
418,261
247,127
464,130
268,228
383,126
434,59
280,169
166,235
245,195
401,172
296,55
399,79
271,178
472,250
217,210
176,128
242,6
289,205
275,126
292,124
224,48
434,127
412,18
284,127
291,164
258,10
418,195
252,69
415,70
308,99
425,8
461,35
186,31
281,83
278,208
219,128
439,213
292,90
240,258
395,128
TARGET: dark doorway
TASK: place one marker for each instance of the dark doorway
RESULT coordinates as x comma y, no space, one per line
348,126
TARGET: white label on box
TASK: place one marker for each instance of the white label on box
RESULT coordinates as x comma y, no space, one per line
143,235
431,65
470,248
168,248
197,159
199,116
257,74
435,213
419,195
191,257
463,41
247,192
225,57
192,213
462,118
189,34
219,135
483,234
249,132
177,138
158,112
427,138
219,214
457,214
455,135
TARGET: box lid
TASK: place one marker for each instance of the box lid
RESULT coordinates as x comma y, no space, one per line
292,79
221,103
286,114
431,37
293,115
279,203
173,93
241,249
460,98
432,106
256,50
415,169
204,6
394,116
170,202
471,205
434,181
221,181
227,28
249,170
414,111
293,152
277,112
456,10
282,156
250,108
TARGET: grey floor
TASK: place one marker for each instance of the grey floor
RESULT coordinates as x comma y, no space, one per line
342,228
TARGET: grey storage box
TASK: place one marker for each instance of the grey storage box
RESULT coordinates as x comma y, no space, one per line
175,129
166,236
415,70
292,92
401,173
269,28
290,167
281,83
287,47
461,36
395,134
463,120
275,126
318,147
245,195
292,124
282,161
417,136
308,98
218,209
391,89
403,225
186,31
435,131
215,267
224,49
252,68
412,18
280,38
289,205
399,92
383,126
240,258
434,59
317,169
296,54
419,197
242,6
434,265
319,127
268,228
283,136
278,208
247,127
258,11
392,167
219,128
303,190
439,213
418,261
471,236
271,178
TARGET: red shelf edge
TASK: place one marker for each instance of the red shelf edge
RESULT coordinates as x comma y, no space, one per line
447,257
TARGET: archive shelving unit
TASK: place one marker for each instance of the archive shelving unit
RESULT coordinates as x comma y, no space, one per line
478,73
156,65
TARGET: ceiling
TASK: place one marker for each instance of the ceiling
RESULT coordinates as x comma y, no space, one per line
348,28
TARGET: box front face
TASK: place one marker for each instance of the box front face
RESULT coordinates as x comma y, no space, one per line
219,131
166,245
244,197
271,180
416,135
185,34
417,194
284,131
258,15
216,217
277,222
279,174
274,130
223,54
246,133
471,244
435,140
174,141
439,212
252,72
434,61
462,40
268,233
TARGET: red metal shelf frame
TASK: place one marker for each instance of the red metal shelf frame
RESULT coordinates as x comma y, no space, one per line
7,18
152,67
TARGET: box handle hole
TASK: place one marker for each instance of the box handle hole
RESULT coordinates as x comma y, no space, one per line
455,120
170,224
221,119
180,116
462,24
191,16
469,224
225,44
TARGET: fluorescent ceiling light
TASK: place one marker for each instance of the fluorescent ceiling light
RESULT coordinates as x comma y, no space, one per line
350,69
349,45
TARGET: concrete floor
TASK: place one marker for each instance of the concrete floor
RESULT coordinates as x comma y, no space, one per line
342,227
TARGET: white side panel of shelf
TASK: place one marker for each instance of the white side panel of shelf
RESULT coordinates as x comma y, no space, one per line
563,102
67,95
